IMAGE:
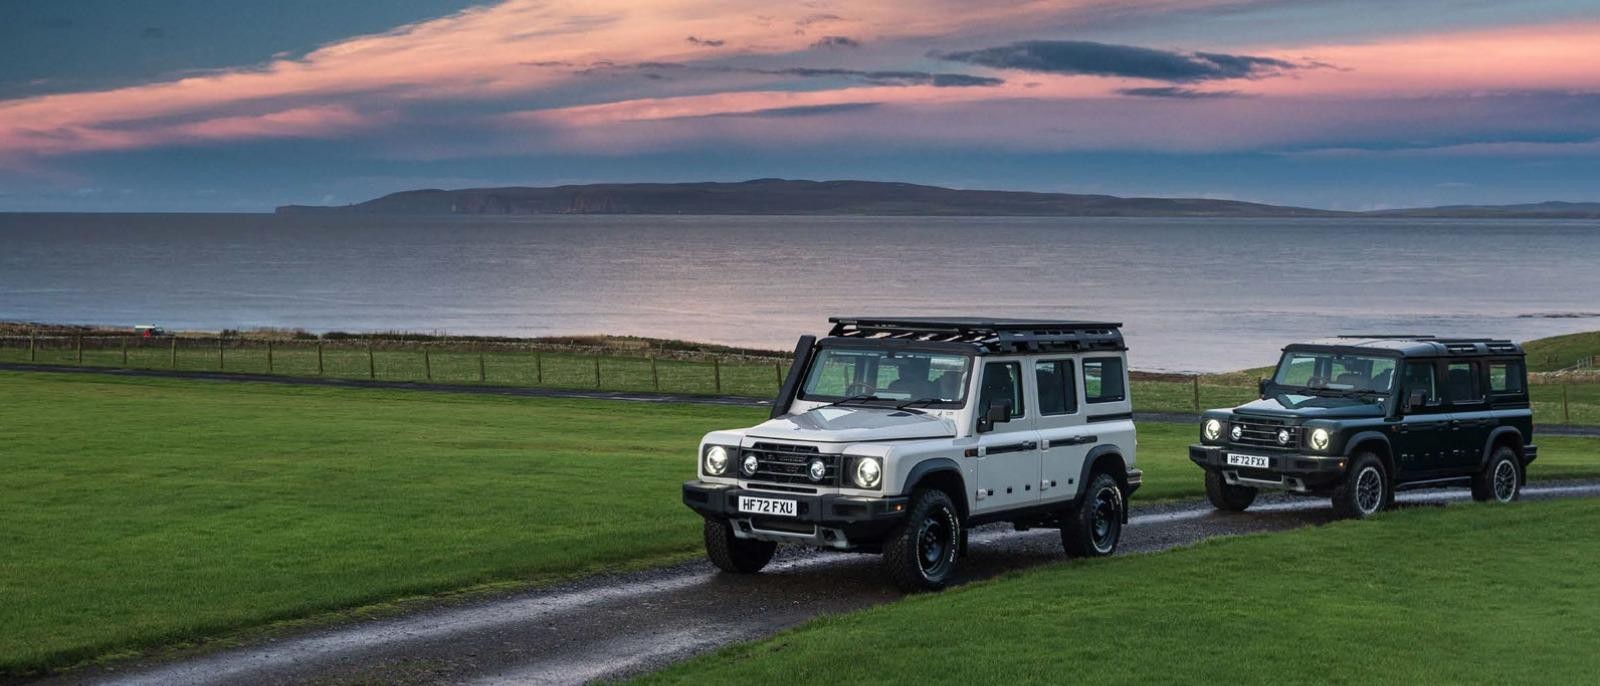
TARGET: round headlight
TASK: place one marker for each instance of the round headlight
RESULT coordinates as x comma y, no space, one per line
750,464
817,471
868,472
1213,430
716,460
1237,432
1320,439
1283,437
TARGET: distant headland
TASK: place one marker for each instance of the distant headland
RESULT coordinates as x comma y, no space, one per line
797,197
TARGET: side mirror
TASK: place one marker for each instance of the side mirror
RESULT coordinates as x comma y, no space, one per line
996,412
1261,387
1417,399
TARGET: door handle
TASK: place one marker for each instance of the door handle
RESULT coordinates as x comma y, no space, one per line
1029,445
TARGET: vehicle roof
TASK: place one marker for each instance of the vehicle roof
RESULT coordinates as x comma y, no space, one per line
981,335
1417,345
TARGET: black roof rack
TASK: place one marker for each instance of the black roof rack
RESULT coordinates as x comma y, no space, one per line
1397,336
986,335
1424,345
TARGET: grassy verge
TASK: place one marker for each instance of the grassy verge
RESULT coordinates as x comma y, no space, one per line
1414,597
142,512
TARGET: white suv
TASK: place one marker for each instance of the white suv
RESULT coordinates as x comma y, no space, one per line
894,435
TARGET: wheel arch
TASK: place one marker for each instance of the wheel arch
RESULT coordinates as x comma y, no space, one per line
1378,444
1508,436
1104,458
944,474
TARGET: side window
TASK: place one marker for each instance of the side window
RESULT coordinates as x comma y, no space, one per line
1505,376
1420,377
1102,380
1002,381
1461,382
1058,389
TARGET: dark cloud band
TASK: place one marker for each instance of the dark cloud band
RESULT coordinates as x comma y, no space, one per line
1106,59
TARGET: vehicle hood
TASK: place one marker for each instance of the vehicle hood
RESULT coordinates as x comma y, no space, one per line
853,424
1313,408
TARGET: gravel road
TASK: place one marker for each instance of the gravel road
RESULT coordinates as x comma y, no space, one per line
619,625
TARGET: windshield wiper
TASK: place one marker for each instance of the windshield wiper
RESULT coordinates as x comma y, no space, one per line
919,401
853,399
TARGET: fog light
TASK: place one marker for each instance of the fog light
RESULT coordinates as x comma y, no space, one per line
750,464
1237,432
1283,437
817,471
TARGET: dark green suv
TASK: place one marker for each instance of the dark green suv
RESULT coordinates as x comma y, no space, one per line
1360,417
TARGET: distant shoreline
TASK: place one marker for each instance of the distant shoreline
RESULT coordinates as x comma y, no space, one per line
785,197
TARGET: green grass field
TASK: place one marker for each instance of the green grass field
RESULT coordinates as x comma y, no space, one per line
1463,594
144,511
1560,352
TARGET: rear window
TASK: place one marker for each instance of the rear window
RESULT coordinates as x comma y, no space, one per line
1505,377
1102,380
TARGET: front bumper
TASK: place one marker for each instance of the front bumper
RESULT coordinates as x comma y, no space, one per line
1289,471
829,520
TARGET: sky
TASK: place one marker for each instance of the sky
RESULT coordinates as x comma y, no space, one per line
214,105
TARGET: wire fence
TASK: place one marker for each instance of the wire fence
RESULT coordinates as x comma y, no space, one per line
501,364
1562,398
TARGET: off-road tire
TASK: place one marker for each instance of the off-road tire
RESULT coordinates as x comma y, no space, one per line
733,554
1093,527
1225,497
1366,489
921,552
1501,479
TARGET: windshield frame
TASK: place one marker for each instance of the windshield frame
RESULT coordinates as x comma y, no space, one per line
967,362
1274,387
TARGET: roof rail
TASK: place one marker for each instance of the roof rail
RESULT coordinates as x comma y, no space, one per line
989,335
1395,336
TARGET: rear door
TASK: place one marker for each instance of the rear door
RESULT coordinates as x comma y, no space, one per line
1064,438
1470,416
1008,455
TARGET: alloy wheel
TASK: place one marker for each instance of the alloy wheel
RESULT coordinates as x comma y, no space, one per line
1369,491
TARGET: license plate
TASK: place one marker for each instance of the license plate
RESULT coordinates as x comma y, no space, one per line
1255,461
767,506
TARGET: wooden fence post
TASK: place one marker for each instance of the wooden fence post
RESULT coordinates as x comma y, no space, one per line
1566,409
1196,393
319,358
427,365
597,370
33,346
174,352
124,351
655,374
716,372
482,377
80,351
777,373
372,366
538,368
222,362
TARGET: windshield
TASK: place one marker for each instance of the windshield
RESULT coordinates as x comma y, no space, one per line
867,374
1324,373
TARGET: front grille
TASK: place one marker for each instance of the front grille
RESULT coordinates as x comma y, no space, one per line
1262,432
788,464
